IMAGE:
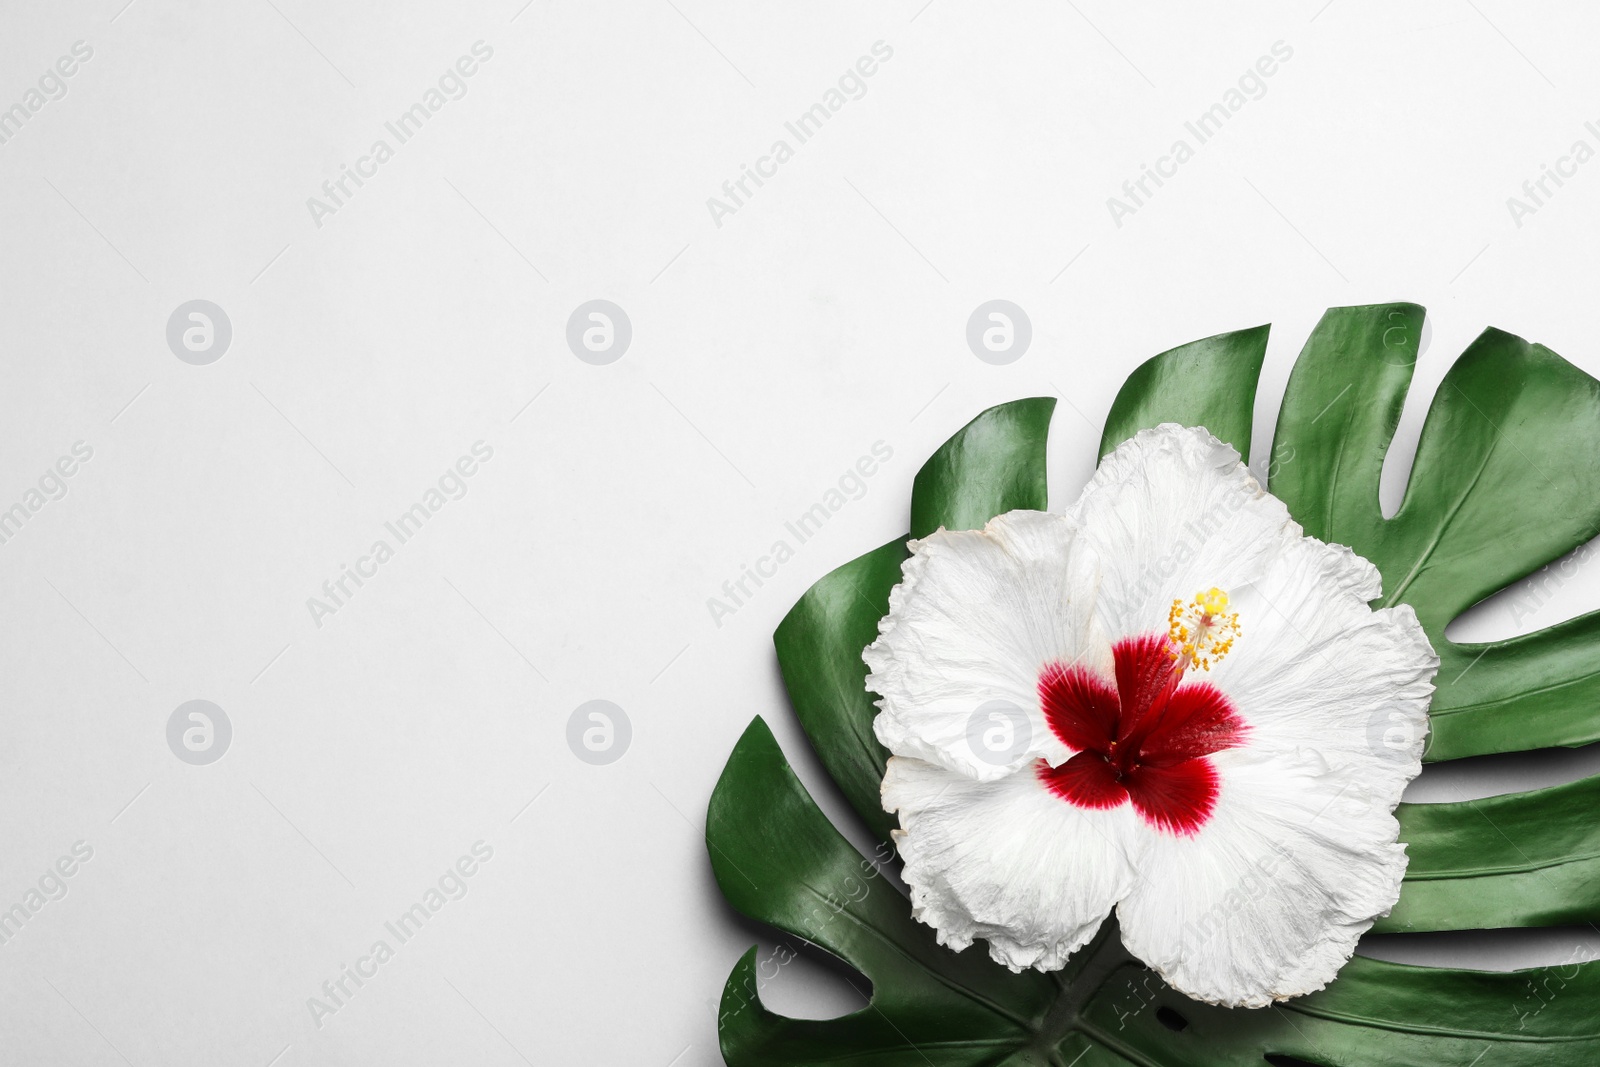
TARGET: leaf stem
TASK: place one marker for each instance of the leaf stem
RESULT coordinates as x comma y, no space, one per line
1083,978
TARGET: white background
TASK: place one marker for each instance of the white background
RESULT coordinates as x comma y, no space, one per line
826,314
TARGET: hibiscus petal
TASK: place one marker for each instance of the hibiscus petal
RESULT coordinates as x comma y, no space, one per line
1006,861
1169,512
1317,669
1080,707
1299,855
1144,667
978,617
1176,798
1087,780
1268,899
1197,721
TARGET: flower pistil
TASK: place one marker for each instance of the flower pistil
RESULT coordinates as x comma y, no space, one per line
1202,631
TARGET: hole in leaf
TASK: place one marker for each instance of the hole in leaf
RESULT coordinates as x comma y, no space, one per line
804,982
1278,1059
1172,1020
1561,590
1395,474
1508,772
1486,950
800,980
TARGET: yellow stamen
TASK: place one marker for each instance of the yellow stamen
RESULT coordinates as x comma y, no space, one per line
1203,630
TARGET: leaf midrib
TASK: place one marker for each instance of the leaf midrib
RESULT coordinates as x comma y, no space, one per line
1438,533
1443,1031
1552,687
1468,873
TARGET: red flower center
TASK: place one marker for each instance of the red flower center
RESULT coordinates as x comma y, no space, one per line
1144,740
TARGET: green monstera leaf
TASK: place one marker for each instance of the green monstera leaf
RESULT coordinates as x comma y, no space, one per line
1506,480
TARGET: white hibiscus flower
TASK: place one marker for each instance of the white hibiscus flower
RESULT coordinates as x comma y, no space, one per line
1197,722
